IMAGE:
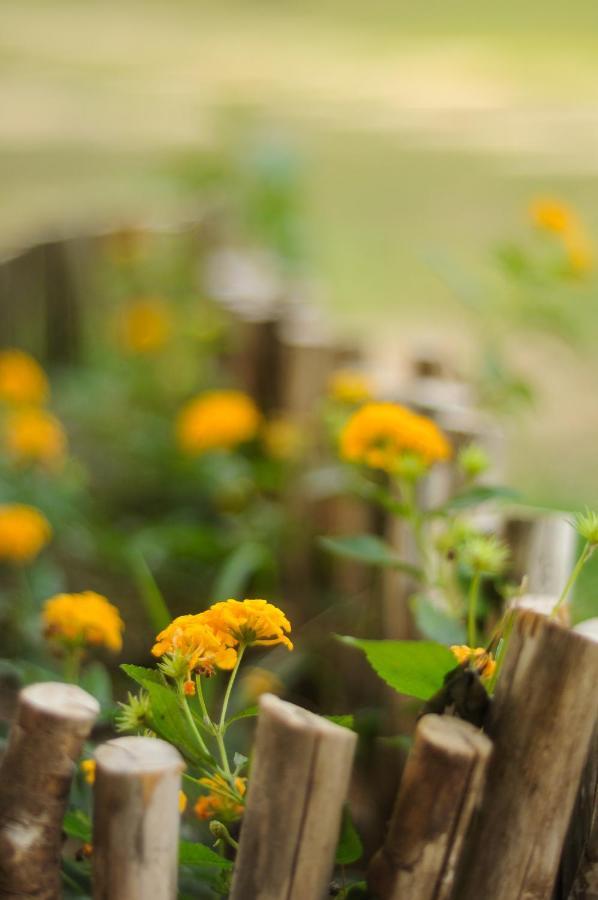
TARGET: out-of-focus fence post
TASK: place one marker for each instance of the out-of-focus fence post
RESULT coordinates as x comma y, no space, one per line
51,724
136,820
299,782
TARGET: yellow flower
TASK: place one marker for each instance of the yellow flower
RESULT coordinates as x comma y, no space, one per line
281,438
249,622
478,657
217,420
22,379
145,325
579,251
24,531
222,801
258,681
552,215
86,618
378,434
350,387
182,801
194,640
88,767
34,435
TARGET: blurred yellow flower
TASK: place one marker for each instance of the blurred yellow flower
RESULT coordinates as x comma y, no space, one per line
194,640
281,438
479,658
34,435
379,433
552,215
217,420
22,379
258,681
145,325
579,251
24,531
249,622
222,801
88,767
85,618
350,386
182,801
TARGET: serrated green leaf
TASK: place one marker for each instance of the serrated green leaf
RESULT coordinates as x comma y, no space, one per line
347,721
77,825
142,675
349,848
367,548
192,854
415,668
475,496
436,624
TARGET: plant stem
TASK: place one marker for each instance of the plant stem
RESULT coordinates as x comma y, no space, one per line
191,721
202,704
472,609
220,729
583,558
72,664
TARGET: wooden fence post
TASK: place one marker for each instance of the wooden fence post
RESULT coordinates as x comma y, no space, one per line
52,722
542,549
543,717
299,782
441,785
136,820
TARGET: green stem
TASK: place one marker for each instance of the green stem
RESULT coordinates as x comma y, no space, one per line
583,558
72,664
472,609
191,721
220,729
202,704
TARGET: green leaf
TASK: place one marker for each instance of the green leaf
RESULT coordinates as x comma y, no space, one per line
349,848
142,675
248,713
155,606
415,668
347,721
191,854
369,549
77,825
436,624
475,496
238,569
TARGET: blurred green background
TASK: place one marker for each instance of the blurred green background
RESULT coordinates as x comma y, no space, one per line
419,133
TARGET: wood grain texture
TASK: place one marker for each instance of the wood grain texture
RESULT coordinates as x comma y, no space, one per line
299,782
136,820
51,724
544,713
441,785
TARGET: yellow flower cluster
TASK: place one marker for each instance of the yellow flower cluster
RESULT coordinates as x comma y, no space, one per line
22,379
88,767
222,801
145,326
208,640
24,531
217,420
561,220
34,435
281,438
378,434
349,387
479,658
86,618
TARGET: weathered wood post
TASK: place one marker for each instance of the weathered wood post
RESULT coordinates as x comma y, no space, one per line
440,788
136,820
542,550
544,713
299,782
51,724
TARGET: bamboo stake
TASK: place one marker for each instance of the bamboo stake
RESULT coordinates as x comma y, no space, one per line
298,785
136,820
543,717
51,724
442,783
